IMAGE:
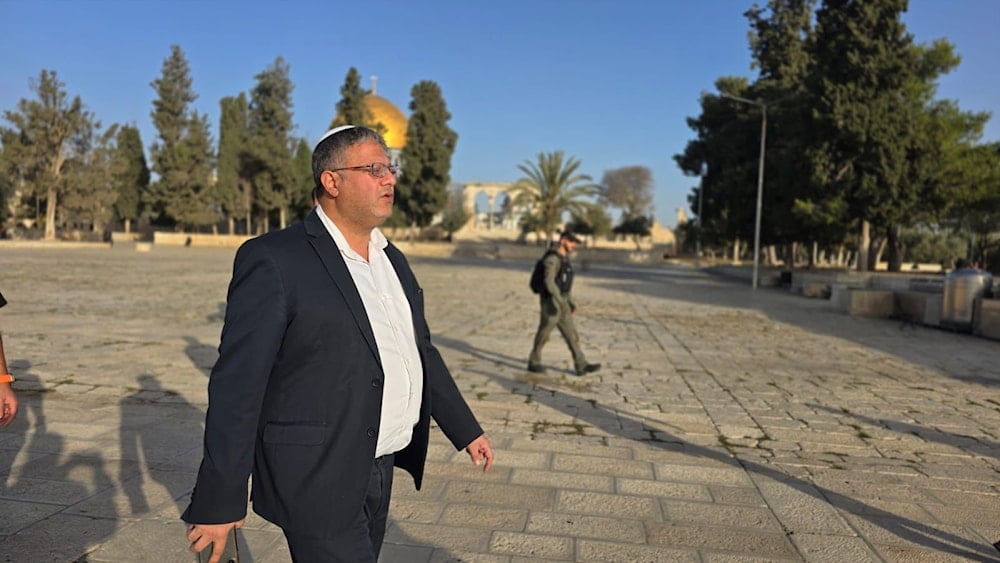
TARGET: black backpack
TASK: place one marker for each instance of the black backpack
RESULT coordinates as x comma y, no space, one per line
537,283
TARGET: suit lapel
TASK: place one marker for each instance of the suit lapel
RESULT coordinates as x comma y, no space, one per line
329,254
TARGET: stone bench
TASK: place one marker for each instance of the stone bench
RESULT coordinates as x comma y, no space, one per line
878,303
919,307
987,315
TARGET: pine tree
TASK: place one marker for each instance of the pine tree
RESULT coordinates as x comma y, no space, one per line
182,158
422,190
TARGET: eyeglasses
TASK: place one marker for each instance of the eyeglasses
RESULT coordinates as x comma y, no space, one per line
376,169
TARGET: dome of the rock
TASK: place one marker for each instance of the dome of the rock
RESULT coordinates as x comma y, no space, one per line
385,112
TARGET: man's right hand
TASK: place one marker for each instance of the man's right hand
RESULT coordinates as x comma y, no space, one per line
215,535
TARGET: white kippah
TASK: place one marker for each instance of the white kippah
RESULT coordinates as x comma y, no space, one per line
333,131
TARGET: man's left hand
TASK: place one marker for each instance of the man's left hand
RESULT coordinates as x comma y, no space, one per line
479,450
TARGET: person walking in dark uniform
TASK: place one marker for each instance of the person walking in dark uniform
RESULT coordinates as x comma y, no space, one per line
557,307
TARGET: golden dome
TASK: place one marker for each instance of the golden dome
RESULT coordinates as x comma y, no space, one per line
383,111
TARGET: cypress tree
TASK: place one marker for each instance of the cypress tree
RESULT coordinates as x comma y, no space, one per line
422,190
131,175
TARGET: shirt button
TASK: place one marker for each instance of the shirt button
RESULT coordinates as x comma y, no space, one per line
371,432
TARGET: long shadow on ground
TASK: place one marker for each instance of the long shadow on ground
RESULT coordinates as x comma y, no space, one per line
598,416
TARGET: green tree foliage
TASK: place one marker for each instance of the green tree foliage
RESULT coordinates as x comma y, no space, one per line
302,186
182,156
422,189
976,214
91,172
351,109
854,135
778,41
867,99
780,37
933,246
636,227
724,155
131,175
6,196
550,187
629,188
593,221
270,126
233,189
45,134
455,216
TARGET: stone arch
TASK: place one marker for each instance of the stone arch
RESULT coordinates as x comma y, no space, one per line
492,190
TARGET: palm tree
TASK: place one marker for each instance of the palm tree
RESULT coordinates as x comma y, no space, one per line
551,187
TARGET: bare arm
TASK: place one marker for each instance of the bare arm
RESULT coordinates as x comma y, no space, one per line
8,400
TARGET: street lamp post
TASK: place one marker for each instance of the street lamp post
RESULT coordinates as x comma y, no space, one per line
760,180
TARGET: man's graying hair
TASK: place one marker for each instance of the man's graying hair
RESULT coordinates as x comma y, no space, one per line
329,153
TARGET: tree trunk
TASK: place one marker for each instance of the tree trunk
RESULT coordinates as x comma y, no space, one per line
282,217
875,250
128,226
771,253
50,214
896,249
863,240
231,223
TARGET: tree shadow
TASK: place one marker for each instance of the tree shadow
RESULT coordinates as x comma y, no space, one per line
599,416
968,444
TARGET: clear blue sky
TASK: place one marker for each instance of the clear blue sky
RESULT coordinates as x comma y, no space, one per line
609,82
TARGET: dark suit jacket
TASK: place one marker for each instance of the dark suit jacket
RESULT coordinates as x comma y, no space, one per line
296,392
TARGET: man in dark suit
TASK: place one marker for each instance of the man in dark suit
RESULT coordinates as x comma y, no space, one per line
326,376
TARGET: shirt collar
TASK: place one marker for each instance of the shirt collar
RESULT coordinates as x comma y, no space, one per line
376,240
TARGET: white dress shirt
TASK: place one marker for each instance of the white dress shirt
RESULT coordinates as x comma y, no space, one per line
392,323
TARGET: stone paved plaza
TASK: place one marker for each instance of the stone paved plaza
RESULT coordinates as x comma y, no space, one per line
726,424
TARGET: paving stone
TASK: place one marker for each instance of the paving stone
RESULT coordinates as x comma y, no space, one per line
709,538
532,545
577,525
493,518
699,474
562,479
606,504
758,518
515,496
833,549
601,466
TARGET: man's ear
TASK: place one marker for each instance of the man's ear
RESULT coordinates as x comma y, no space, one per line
329,180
